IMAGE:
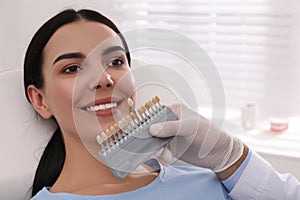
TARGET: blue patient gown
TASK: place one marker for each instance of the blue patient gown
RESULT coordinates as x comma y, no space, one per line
173,182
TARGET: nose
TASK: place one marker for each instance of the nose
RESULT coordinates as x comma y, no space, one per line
105,82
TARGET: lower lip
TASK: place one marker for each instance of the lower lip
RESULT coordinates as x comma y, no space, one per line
106,112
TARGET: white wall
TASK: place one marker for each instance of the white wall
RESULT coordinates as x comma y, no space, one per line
19,20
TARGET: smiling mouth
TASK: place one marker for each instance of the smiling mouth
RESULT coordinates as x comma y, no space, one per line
105,106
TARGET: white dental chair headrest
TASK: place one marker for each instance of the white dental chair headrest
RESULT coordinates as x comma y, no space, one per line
23,137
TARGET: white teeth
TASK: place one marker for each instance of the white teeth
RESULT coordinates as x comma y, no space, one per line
102,107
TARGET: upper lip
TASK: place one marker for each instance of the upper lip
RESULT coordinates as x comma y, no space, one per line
103,101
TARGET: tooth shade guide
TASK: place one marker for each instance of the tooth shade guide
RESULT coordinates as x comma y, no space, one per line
154,102
121,124
149,105
116,127
126,124
138,116
146,112
108,133
134,119
99,139
143,108
104,136
128,118
131,142
140,111
111,133
131,121
130,102
112,129
157,99
132,116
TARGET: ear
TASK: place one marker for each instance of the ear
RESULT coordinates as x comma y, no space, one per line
38,101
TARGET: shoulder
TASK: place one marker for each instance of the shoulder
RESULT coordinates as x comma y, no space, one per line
189,171
42,194
191,181
191,175
45,194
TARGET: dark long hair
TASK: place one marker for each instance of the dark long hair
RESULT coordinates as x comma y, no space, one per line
53,157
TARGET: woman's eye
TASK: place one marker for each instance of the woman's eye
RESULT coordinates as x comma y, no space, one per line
115,62
71,69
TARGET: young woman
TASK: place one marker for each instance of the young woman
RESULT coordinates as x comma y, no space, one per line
69,77
54,63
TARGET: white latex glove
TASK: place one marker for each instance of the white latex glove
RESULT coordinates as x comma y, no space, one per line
164,156
197,141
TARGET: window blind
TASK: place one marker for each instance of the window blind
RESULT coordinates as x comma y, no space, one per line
254,45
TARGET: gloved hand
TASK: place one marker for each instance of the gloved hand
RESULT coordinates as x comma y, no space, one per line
197,141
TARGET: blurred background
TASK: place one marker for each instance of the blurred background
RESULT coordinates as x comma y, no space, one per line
254,44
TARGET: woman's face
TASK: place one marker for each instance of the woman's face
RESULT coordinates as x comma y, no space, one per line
86,85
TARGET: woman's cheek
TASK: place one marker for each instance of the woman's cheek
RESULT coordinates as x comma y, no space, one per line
62,94
126,83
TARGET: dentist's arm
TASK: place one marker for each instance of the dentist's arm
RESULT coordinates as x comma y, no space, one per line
259,180
200,143
230,170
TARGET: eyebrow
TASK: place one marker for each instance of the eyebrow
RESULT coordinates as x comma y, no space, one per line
80,55
68,56
112,49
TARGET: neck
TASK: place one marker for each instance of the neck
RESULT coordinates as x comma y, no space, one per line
82,172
